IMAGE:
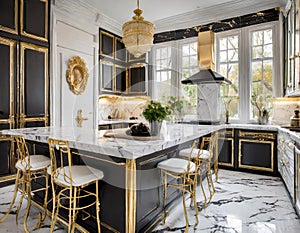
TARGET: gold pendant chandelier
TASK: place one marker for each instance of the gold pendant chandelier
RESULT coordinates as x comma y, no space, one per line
138,34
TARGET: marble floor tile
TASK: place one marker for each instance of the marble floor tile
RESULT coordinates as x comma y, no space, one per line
243,203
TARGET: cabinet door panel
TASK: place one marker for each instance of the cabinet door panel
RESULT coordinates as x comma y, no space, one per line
34,84
4,157
106,44
9,16
226,152
120,78
7,66
107,76
137,76
256,155
34,19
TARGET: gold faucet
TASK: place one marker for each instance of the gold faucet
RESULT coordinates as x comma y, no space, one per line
79,118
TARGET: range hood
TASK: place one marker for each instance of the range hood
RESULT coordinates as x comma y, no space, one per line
206,64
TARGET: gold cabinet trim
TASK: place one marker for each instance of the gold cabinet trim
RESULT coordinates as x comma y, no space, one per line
9,30
23,117
24,33
12,45
101,42
258,135
240,165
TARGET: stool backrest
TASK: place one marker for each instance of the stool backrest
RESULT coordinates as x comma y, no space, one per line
21,150
212,141
60,156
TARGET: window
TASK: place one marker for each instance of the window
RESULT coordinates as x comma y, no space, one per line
229,67
174,61
163,76
261,70
189,66
249,58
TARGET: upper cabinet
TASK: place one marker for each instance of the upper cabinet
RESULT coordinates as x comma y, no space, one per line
120,72
34,19
293,50
28,18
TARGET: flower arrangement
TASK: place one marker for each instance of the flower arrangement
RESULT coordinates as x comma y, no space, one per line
155,111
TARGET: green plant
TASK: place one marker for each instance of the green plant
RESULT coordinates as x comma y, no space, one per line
176,105
155,111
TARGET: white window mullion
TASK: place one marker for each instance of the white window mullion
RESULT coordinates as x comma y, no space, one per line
245,70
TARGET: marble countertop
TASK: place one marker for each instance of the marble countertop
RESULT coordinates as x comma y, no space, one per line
95,141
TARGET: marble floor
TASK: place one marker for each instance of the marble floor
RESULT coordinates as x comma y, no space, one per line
243,203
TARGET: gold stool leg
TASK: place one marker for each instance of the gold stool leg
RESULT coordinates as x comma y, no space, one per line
74,210
98,208
195,201
210,182
54,205
42,217
70,210
204,195
14,198
164,196
185,213
23,192
28,191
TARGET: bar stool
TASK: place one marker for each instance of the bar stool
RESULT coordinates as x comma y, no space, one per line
70,181
203,160
185,171
29,168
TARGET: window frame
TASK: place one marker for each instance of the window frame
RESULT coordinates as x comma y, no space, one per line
245,66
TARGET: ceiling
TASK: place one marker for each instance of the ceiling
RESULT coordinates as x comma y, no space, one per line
166,12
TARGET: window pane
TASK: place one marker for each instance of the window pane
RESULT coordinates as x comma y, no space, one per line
256,71
194,61
257,52
232,55
268,37
223,56
185,50
268,50
185,62
223,44
232,42
257,38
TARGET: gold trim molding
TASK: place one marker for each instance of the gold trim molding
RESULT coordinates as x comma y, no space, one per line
77,75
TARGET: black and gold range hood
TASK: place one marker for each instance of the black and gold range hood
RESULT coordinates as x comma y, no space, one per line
206,64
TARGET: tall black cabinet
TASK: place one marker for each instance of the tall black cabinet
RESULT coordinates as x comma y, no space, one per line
24,64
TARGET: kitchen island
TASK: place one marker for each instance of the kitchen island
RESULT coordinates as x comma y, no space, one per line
130,194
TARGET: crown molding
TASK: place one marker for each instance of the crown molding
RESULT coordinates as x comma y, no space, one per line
82,15
215,13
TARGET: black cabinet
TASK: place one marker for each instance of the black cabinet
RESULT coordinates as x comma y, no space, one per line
137,79
225,148
120,72
256,150
9,16
24,79
34,19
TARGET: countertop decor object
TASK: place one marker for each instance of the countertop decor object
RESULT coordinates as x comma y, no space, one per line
295,120
155,113
77,75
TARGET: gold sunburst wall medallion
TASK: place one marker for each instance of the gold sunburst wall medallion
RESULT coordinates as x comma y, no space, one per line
77,75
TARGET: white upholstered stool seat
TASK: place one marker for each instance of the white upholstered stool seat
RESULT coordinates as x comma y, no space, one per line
194,153
37,162
81,175
176,165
